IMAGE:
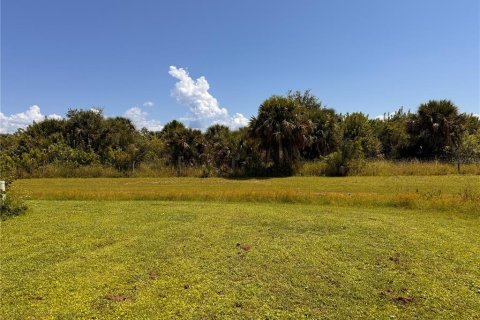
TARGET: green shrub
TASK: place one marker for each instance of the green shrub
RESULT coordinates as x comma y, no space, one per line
335,164
11,207
344,163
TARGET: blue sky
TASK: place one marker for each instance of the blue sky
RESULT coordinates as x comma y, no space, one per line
370,56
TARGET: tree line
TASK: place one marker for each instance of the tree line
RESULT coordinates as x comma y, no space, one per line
287,131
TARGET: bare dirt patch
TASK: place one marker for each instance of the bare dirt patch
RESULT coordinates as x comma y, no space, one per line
403,300
244,246
395,297
395,259
118,297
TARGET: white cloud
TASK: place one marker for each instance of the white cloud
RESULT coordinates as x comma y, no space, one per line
10,124
204,107
54,116
148,104
194,94
239,120
140,119
234,122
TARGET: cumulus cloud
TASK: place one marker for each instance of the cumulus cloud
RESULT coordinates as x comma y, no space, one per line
235,122
10,124
239,120
205,109
148,104
140,119
54,116
195,95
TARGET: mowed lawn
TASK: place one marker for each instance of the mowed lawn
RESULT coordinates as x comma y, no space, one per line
272,259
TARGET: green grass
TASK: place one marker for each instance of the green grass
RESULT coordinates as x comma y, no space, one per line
175,259
285,248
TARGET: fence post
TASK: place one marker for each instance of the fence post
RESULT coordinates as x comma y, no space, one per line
2,189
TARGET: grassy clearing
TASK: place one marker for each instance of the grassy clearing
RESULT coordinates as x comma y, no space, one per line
446,193
150,259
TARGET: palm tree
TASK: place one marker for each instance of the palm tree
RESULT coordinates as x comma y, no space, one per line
218,147
282,129
437,128
325,132
84,128
325,124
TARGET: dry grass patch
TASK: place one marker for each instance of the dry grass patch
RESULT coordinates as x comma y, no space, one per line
445,193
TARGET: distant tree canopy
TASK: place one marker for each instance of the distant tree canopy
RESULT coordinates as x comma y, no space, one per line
287,130
436,129
282,129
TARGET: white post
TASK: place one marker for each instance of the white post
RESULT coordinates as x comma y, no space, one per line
2,189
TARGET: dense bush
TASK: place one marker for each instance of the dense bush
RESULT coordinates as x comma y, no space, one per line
288,131
11,207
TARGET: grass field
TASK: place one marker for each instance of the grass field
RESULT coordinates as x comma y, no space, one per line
447,193
276,248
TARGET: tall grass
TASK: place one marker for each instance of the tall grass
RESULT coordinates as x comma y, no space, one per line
395,168
104,171
314,168
416,168
445,193
66,171
160,170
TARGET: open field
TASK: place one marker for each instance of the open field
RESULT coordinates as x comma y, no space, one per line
133,248
143,259
450,192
